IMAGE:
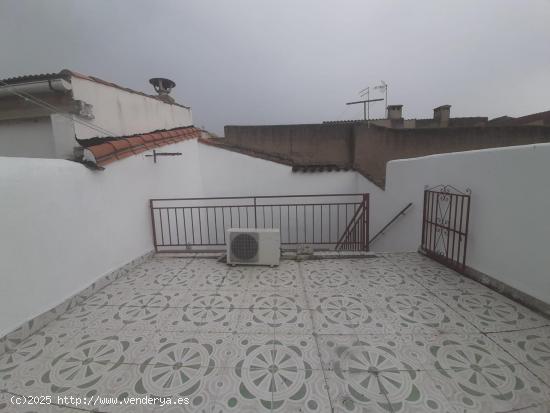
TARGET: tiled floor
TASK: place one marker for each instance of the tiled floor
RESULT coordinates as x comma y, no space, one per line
394,333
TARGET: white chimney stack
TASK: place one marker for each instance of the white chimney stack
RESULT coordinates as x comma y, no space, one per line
442,114
395,112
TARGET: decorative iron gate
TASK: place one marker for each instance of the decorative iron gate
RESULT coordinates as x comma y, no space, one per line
323,221
445,225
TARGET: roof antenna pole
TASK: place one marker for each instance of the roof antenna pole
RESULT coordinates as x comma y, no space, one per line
365,106
383,87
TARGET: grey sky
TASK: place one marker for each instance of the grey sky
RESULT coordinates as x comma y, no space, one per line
295,61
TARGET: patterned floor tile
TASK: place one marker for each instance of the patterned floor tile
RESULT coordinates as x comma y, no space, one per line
326,280
331,346
460,352
78,318
220,299
129,297
132,317
296,296
236,279
491,388
183,281
490,311
380,377
147,281
303,346
345,399
71,377
395,333
341,314
420,311
200,319
391,281
282,319
329,300
447,281
531,347
204,349
43,344
276,379
284,277
297,390
399,353
243,347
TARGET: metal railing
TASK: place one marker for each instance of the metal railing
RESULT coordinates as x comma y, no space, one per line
385,227
446,217
185,224
356,234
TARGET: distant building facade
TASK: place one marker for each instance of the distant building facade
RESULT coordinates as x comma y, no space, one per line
441,119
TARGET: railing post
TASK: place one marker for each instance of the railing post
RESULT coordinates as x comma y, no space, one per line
153,225
366,219
255,214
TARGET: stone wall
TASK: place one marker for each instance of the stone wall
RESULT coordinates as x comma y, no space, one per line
369,149
312,144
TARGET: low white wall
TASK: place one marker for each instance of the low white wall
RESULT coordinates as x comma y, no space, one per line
62,225
32,138
226,173
124,113
509,232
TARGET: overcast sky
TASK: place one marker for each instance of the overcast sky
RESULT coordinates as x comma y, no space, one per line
295,61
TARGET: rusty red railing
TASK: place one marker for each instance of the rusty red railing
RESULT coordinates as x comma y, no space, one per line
322,221
356,234
446,217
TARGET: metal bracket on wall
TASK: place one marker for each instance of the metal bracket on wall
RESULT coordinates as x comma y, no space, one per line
155,154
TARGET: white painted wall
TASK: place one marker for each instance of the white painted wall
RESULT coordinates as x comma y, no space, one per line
124,113
509,226
64,140
62,225
32,138
226,173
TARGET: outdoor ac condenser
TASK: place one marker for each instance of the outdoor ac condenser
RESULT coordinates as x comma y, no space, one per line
253,246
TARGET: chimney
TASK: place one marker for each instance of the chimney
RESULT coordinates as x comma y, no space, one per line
163,87
395,112
442,114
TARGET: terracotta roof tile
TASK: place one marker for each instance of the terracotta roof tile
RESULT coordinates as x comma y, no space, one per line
119,148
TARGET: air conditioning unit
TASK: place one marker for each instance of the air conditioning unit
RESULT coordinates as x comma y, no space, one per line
253,246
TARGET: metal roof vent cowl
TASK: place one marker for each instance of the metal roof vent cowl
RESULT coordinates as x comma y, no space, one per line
163,87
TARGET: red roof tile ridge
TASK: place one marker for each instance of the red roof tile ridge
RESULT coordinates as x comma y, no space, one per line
115,149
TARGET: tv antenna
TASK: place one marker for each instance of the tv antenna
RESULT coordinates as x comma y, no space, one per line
383,87
366,103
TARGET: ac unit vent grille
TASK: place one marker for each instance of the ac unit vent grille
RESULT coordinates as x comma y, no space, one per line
244,247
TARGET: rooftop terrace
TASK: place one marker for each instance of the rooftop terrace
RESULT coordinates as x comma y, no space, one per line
380,333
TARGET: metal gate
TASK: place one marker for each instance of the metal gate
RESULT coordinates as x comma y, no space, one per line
445,225
338,221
